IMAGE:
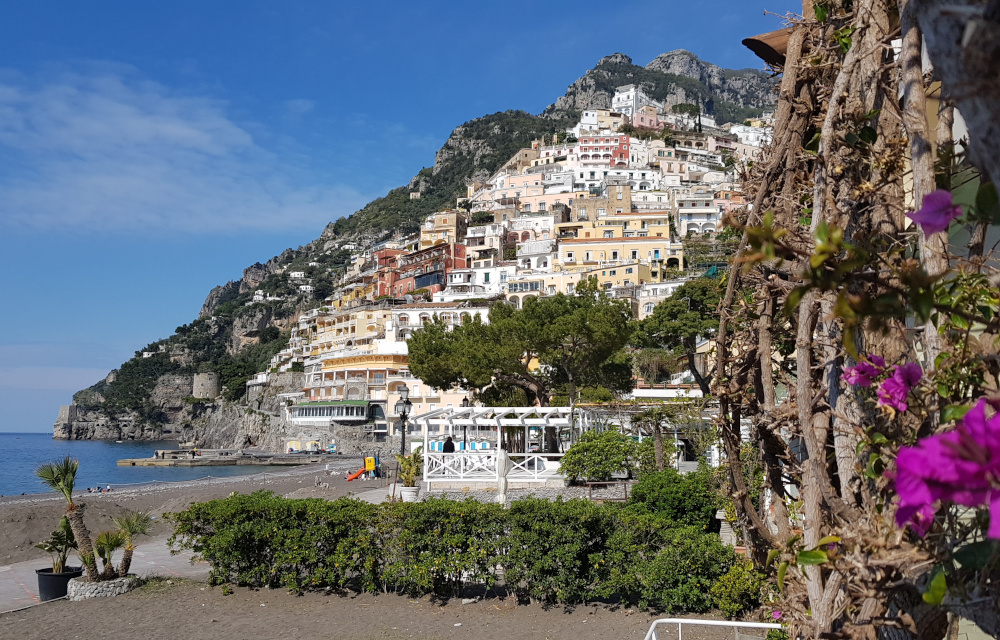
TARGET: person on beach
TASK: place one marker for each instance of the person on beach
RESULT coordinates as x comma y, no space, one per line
449,446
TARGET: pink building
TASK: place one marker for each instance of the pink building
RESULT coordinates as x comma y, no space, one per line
646,118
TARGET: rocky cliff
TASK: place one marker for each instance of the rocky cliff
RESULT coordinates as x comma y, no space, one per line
672,78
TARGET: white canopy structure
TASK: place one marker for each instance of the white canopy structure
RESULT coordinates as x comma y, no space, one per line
480,432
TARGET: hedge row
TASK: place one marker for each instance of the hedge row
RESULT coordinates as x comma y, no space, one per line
554,552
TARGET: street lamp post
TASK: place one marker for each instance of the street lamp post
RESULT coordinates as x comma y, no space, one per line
403,411
465,427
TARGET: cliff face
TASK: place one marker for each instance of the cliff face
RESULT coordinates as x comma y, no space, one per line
212,424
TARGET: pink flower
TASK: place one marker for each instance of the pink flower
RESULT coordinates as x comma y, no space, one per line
776,615
895,389
937,213
962,466
864,373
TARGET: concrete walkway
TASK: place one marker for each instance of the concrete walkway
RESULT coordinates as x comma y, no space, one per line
19,585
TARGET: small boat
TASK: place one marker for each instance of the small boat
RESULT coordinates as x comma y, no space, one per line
118,441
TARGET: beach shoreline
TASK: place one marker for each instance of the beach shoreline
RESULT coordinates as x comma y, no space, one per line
28,519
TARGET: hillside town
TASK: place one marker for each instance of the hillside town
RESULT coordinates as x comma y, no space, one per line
618,198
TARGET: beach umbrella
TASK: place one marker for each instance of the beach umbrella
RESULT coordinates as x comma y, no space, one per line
504,465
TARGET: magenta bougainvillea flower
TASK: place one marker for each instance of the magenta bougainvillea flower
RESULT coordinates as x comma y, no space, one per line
937,213
962,466
895,389
776,615
864,373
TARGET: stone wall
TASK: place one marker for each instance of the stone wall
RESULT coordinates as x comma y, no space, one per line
80,589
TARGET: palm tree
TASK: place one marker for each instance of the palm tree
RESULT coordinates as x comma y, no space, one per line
106,543
131,524
60,477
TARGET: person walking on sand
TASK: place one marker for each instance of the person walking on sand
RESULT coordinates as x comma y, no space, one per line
449,446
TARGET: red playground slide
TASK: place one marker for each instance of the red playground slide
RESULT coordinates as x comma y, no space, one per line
354,476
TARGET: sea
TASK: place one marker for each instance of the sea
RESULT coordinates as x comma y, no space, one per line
22,453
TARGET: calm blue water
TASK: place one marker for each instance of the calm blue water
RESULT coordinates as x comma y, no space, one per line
21,453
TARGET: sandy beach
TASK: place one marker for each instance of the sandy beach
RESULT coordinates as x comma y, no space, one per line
27,519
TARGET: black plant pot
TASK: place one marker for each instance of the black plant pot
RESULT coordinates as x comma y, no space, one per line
54,585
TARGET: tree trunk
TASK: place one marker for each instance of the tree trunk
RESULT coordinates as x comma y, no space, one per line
704,382
126,562
658,446
963,41
83,543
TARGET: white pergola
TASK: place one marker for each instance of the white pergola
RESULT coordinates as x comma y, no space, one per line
489,424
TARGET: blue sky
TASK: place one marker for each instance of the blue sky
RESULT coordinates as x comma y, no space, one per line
151,150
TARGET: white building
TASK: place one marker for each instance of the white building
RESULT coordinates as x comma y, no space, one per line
752,136
698,215
629,98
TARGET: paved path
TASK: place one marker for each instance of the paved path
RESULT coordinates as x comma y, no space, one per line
19,585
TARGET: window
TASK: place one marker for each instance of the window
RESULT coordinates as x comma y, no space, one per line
486,278
634,256
609,234
612,272
569,257
527,208
588,256
614,255
618,210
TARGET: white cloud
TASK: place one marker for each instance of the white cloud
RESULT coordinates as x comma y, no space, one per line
107,150
298,108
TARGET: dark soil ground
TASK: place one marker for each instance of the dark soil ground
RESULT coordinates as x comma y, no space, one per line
186,610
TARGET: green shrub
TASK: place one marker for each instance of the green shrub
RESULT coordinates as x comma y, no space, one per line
684,499
552,547
562,552
661,567
598,456
738,591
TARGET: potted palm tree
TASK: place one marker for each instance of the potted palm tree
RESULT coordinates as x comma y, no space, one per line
53,582
409,470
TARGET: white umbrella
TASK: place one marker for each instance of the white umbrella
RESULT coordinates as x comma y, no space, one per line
504,466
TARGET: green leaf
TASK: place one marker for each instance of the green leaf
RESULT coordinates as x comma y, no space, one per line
875,466
878,438
772,555
812,557
976,555
827,540
955,412
793,299
821,12
923,303
868,135
813,145
782,568
936,588
988,203
959,321
852,139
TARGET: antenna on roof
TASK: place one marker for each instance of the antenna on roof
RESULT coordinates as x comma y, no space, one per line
408,298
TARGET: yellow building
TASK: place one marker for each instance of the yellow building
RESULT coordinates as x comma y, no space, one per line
348,327
587,253
443,227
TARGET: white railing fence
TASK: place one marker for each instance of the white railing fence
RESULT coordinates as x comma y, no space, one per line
681,622
482,466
